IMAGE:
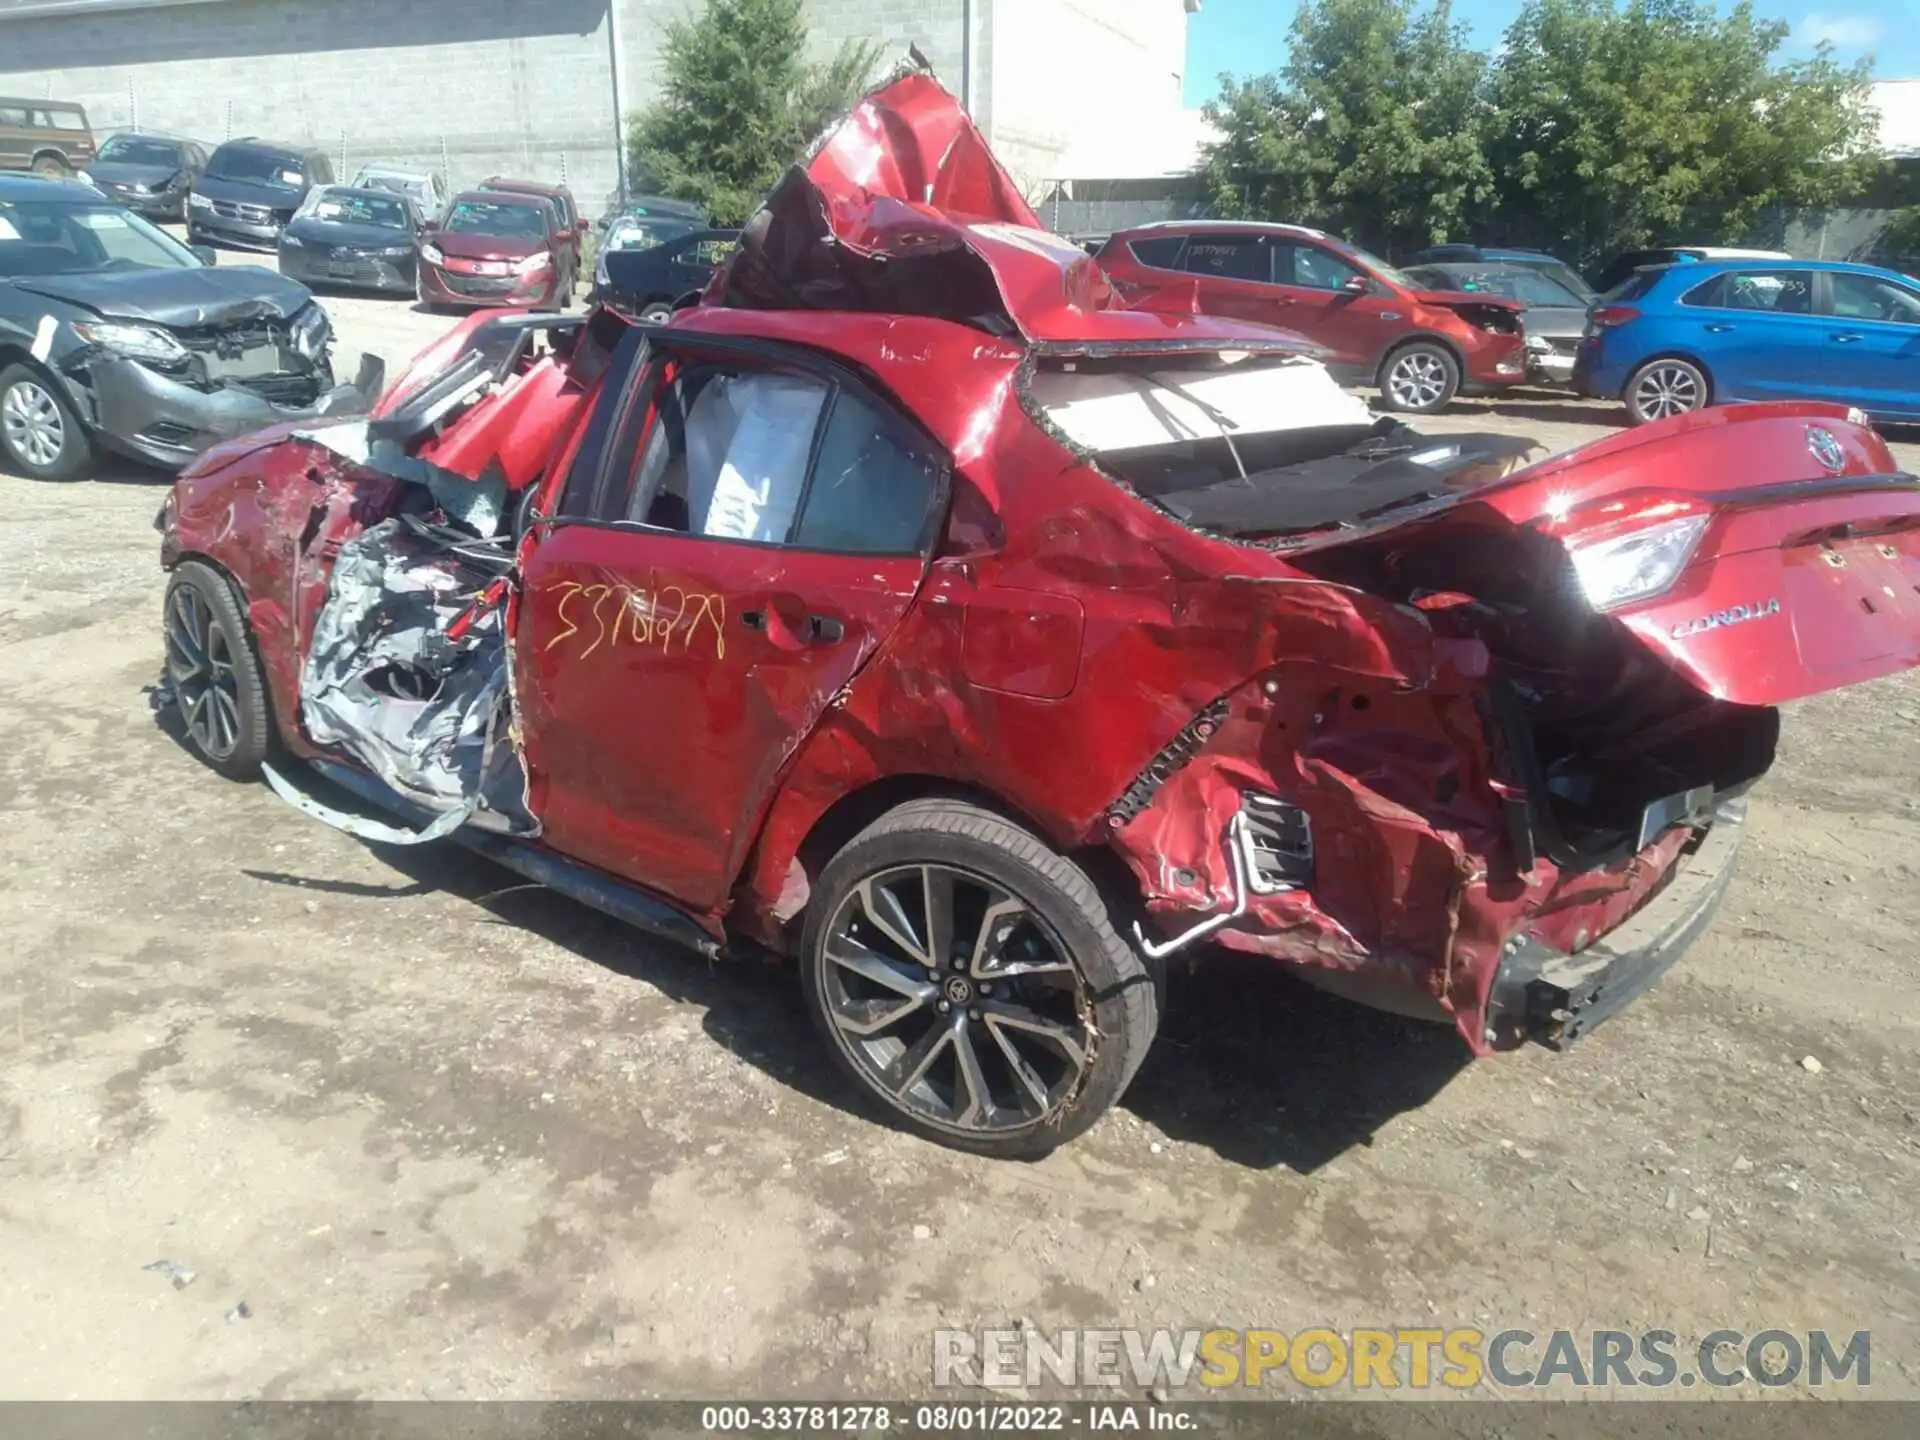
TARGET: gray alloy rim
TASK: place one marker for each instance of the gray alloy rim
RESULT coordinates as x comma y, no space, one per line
33,425
200,667
1417,380
956,1002
1666,390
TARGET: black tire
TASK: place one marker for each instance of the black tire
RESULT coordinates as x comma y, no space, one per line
1418,378
40,436
1027,909
1665,387
51,167
218,687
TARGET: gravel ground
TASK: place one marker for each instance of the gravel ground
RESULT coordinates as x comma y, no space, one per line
447,1137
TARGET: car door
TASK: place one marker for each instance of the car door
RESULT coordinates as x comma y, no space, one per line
1356,325
1757,332
1235,274
743,526
1873,343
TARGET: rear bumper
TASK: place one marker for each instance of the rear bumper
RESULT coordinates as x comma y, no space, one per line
1554,998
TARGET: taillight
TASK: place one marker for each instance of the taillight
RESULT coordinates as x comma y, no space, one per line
1630,547
1604,317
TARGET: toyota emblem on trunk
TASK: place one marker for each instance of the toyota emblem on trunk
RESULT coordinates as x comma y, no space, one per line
1826,450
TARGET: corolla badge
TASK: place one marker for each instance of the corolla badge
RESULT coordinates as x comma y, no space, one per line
1826,450
1735,615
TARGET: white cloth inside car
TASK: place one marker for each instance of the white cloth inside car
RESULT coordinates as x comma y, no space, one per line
748,439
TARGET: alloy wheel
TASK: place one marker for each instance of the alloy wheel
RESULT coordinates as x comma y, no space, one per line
1666,390
33,424
200,669
1417,380
955,1000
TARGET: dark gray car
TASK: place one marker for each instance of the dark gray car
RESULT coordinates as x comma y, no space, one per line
354,239
250,190
151,175
114,334
1554,317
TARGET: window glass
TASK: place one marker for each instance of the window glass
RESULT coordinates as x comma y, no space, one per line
710,251
506,219
257,167
725,452
68,120
1782,292
1312,267
39,237
1868,297
1161,252
135,150
872,486
1229,257
9,115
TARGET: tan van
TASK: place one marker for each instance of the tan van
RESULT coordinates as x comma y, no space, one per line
48,137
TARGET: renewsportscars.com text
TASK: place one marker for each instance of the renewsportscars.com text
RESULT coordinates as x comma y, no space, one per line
1412,1358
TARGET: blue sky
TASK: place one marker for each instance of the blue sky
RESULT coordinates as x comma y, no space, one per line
1249,36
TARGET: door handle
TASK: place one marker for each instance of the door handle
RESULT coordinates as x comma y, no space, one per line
1718,329
818,629
1848,338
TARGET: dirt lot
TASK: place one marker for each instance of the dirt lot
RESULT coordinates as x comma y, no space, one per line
446,1136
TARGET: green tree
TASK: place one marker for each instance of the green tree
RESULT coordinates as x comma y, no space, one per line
1613,127
739,103
1372,128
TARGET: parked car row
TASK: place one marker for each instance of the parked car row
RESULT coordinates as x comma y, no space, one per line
1665,332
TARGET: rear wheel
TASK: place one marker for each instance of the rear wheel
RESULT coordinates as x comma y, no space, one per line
51,167
970,981
214,672
1661,389
1419,378
40,436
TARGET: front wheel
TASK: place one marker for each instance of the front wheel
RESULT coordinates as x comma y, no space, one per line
1419,379
970,981
214,673
1661,389
656,314
40,436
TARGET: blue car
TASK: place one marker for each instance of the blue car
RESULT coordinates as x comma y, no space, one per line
1675,338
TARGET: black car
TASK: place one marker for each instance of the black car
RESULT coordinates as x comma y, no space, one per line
354,239
251,189
151,175
113,333
648,279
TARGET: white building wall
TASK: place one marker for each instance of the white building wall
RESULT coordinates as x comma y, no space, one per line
1066,70
525,86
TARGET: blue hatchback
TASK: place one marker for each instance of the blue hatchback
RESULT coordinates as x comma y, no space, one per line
1677,337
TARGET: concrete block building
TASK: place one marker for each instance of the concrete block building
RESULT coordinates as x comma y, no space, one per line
535,87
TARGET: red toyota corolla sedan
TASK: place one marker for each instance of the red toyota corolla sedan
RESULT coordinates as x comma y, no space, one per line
498,249
918,609
1377,326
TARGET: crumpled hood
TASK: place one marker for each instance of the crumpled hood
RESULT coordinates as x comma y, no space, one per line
126,172
187,297
903,209
1455,299
485,247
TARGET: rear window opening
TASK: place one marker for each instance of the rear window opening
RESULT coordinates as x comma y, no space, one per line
1253,448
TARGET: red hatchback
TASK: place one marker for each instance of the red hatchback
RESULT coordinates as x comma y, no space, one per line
498,249
1420,346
